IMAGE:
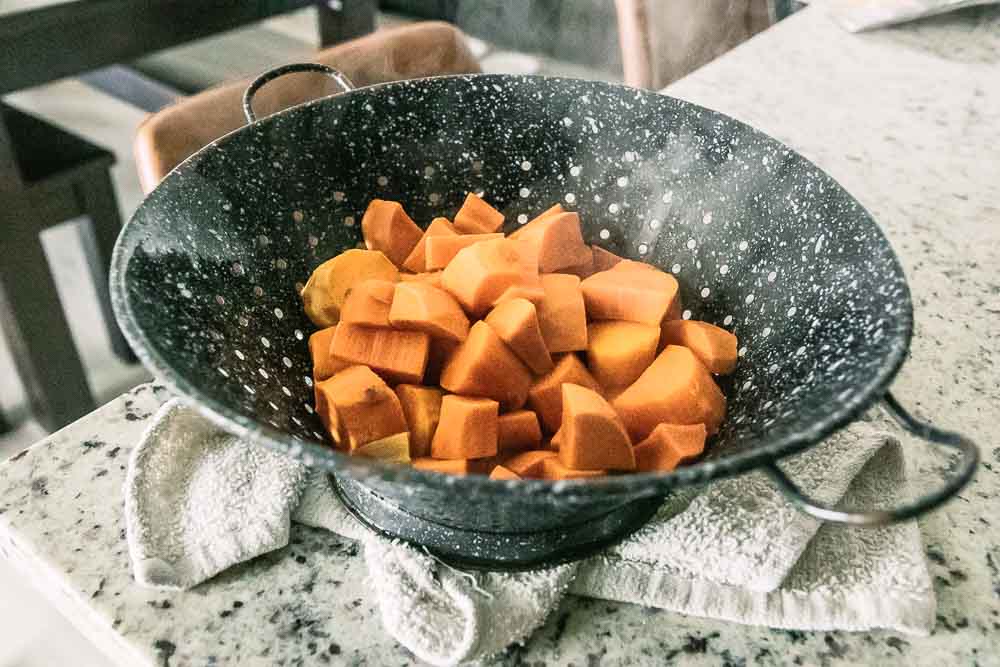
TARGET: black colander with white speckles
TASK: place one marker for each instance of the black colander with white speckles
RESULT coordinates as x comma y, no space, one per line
206,278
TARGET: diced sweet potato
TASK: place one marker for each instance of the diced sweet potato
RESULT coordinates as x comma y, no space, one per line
447,466
584,269
674,310
386,227
516,323
483,366
398,356
714,346
416,261
518,430
618,352
499,472
421,307
422,409
557,240
534,293
368,303
555,209
437,356
479,274
529,463
357,406
327,287
553,468
562,315
393,449
467,429
603,259
324,364
555,440
440,250
675,389
644,296
432,278
477,217
670,445
593,435
545,395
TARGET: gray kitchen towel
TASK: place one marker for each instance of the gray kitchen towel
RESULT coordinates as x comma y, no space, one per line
198,500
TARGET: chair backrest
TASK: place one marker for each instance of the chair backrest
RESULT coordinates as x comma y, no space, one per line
169,136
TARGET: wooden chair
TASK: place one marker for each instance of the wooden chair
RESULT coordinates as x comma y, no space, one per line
169,136
663,41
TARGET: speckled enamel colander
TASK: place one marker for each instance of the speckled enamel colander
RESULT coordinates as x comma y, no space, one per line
206,278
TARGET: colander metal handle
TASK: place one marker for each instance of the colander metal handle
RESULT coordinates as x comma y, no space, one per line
959,478
273,74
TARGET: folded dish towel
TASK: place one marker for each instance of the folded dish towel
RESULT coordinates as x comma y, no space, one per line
198,500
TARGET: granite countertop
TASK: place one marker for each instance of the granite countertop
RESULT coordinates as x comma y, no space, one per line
908,120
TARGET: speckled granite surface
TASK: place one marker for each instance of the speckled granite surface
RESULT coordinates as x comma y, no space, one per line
907,125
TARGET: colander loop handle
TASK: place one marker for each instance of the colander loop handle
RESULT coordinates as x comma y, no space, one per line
270,75
969,460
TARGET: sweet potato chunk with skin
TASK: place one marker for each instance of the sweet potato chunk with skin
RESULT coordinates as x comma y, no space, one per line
479,274
432,278
618,352
398,356
386,227
516,323
324,364
644,296
358,407
422,307
447,466
499,472
675,389
368,303
529,463
467,429
545,395
553,468
593,435
557,240
483,366
562,315
603,259
670,445
327,287
417,259
440,250
393,449
714,346
477,217
518,430
422,409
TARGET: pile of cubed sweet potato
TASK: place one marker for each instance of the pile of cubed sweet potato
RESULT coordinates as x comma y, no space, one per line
460,350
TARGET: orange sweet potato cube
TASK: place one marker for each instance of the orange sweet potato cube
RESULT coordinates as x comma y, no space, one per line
422,409
557,240
545,395
518,430
368,303
499,472
553,468
603,259
418,306
386,227
467,428
417,259
483,366
477,217
516,323
440,250
324,364
675,389
635,295
593,435
618,352
670,445
714,346
529,463
561,314
479,274
357,406
398,356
